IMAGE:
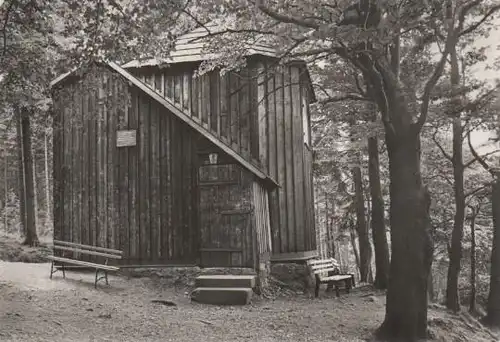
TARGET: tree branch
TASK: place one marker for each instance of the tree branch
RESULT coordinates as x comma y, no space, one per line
469,163
451,40
475,191
346,97
287,19
431,83
466,8
441,148
478,158
474,26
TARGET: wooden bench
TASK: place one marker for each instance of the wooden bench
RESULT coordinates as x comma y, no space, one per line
66,247
327,271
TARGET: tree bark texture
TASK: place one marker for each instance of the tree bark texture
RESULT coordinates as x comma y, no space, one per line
352,232
377,217
452,300
411,242
493,308
6,189
430,287
365,250
28,190
21,174
47,180
472,303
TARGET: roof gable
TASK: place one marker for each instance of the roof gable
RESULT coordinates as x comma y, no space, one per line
179,113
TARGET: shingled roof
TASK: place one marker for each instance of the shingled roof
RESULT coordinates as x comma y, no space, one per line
191,47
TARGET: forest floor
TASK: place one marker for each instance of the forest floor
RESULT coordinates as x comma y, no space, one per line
35,308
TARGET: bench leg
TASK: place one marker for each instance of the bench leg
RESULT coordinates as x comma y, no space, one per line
329,286
316,290
52,269
337,292
97,277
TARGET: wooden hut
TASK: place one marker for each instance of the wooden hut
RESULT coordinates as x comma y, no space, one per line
214,170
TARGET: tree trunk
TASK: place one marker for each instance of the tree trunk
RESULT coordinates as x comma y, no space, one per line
377,217
365,251
354,247
31,237
493,308
6,190
21,174
411,240
452,300
430,286
472,304
333,248
47,182
35,191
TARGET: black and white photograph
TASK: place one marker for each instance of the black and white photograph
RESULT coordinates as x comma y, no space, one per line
250,170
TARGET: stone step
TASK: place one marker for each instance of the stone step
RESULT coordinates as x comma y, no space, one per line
222,295
244,281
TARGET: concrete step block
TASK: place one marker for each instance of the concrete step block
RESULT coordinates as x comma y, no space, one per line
245,281
222,295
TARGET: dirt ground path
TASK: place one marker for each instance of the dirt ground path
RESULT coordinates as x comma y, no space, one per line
35,308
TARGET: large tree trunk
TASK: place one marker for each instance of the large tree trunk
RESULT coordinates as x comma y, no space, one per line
365,250
6,190
430,287
21,174
493,308
411,241
452,300
48,214
28,190
472,303
35,190
377,217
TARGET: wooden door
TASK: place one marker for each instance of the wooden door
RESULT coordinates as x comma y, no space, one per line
225,216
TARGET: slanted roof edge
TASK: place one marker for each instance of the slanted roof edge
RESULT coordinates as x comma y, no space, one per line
185,118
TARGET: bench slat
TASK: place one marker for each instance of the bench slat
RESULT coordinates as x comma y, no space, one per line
92,248
316,267
319,261
326,270
337,277
83,251
324,263
83,263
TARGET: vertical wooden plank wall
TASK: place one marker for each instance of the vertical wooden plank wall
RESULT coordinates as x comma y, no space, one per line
257,104
225,105
289,159
262,224
57,167
140,199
